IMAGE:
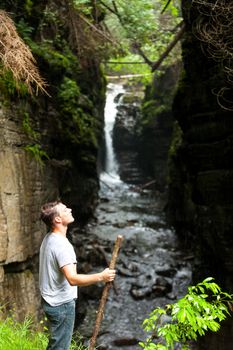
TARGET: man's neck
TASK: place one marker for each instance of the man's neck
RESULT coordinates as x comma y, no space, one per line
61,230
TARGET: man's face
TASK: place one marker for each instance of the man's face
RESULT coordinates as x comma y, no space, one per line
65,214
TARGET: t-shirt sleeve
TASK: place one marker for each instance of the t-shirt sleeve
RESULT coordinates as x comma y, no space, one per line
65,255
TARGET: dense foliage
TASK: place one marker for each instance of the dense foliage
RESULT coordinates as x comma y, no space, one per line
139,33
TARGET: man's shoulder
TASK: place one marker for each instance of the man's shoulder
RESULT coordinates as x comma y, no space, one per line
50,240
55,240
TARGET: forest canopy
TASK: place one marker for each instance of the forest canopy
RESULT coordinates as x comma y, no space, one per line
135,39
140,33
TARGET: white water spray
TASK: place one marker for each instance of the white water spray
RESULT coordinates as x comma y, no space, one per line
111,167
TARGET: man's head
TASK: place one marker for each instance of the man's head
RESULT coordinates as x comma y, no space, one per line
56,213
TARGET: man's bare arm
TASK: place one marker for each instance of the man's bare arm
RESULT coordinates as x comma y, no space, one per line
76,279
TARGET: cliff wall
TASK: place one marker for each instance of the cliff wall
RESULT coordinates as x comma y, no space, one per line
200,191
155,127
48,145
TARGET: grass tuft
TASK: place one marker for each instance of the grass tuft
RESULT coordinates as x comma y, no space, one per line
15,335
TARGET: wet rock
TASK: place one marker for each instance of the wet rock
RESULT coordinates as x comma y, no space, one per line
132,266
166,271
158,290
164,283
127,272
117,98
102,347
146,286
144,280
140,293
109,209
129,268
171,296
125,341
104,200
143,286
97,255
119,224
131,222
93,292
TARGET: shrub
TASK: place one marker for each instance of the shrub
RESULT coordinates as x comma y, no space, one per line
200,310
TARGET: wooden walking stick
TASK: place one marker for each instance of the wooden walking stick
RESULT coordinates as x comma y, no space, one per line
104,296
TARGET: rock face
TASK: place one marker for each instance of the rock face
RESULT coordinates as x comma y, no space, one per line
156,125
200,196
48,149
143,130
24,185
125,134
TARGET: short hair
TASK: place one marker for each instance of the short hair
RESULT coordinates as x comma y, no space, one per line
48,212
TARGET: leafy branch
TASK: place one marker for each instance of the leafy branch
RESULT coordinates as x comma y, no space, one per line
199,311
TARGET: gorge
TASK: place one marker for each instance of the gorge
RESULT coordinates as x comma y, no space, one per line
179,226
153,269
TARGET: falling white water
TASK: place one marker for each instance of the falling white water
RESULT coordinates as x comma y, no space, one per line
111,167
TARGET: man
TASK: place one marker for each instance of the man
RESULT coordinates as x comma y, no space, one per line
58,278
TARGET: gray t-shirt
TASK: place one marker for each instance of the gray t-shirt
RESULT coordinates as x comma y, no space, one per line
56,252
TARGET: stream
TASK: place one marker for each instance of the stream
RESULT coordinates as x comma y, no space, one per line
152,269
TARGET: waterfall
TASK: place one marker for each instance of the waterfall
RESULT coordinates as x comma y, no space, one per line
110,173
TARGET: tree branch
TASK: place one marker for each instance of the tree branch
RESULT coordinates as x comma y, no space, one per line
179,25
114,10
108,8
155,65
91,25
166,6
124,62
137,47
172,44
117,13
